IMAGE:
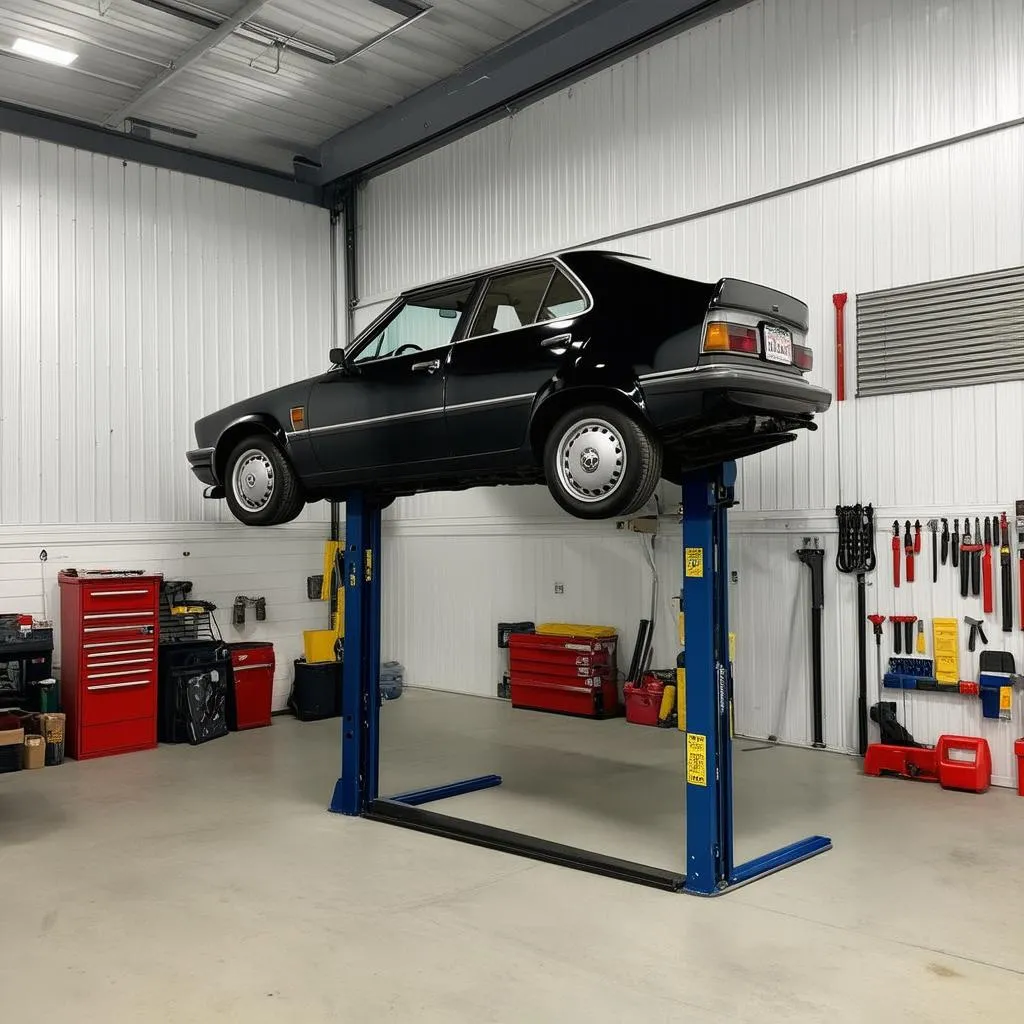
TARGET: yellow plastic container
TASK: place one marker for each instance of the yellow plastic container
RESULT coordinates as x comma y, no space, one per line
575,629
318,644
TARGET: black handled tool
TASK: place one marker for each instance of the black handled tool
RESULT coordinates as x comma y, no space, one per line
1007,573
945,540
977,548
955,552
977,629
933,529
965,560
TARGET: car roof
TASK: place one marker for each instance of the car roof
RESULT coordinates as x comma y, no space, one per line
502,268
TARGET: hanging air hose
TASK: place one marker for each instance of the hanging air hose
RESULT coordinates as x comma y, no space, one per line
856,554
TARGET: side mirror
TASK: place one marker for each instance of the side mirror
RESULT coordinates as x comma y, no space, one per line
337,356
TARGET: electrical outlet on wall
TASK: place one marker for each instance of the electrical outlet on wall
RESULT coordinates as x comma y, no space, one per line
559,588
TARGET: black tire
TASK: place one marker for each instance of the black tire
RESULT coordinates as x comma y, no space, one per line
611,451
270,493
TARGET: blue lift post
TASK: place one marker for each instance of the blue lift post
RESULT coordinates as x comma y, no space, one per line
710,870
358,786
709,819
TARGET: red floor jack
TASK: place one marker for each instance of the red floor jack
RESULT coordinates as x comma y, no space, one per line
955,762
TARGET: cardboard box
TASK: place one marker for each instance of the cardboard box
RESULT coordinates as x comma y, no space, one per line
50,725
12,744
35,752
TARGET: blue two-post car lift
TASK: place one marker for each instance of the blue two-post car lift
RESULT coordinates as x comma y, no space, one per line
710,869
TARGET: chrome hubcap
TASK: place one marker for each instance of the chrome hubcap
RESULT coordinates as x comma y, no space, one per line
592,459
253,480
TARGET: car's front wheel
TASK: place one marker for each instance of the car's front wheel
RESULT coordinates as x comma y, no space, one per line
600,463
260,485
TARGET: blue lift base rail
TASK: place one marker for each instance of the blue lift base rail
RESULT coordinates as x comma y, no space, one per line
426,796
707,494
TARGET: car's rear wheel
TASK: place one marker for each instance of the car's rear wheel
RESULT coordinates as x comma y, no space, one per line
600,463
260,485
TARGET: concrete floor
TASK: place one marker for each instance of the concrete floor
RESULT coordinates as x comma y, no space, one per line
200,884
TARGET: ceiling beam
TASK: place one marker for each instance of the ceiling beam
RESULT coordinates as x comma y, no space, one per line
65,132
562,49
212,38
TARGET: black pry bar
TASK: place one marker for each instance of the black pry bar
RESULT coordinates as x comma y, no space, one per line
976,561
1007,573
955,552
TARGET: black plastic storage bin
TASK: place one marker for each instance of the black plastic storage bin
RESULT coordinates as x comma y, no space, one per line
316,692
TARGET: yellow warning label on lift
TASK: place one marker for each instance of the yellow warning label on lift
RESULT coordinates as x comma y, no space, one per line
695,563
696,759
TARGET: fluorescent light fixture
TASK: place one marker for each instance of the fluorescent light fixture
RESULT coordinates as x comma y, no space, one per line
40,51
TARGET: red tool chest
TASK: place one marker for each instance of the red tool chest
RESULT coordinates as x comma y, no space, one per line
571,675
110,628
252,685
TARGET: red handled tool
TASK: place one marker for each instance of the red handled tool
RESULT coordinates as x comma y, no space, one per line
896,558
908,547
986,569
917,536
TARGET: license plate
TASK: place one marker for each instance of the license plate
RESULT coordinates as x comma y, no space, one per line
778,345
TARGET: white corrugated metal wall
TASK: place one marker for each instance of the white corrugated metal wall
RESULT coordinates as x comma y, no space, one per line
133,300
856,147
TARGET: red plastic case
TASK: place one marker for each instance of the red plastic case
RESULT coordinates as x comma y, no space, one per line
252,686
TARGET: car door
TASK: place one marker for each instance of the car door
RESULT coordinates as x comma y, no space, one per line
522,331
384,410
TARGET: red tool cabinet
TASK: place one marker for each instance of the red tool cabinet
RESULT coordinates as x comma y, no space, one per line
252,685
110,628
571,675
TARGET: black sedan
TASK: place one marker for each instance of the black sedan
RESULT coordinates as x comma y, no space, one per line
591,371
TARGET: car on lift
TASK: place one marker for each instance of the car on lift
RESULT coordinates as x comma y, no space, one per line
593,372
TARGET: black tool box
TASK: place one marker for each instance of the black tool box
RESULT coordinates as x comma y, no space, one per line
316,692
26,656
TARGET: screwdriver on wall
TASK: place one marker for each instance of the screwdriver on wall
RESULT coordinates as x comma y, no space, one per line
977,548
986,568
908,547
1005,569
954,553
896,555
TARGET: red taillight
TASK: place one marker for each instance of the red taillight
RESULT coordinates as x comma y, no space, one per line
803,357
723,337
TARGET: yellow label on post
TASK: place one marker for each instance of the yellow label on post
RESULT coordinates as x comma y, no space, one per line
1005,698
695,563
696,759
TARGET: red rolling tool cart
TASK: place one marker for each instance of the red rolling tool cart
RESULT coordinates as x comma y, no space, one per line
252,685
110,627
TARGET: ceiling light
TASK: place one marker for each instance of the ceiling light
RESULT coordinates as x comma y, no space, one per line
40,51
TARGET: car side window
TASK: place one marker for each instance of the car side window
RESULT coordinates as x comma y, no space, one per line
420,325
563,299
512,301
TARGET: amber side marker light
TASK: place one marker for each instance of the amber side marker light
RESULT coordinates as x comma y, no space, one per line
298,417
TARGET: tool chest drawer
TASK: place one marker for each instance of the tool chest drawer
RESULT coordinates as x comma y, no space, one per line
110,629
119,700
100,598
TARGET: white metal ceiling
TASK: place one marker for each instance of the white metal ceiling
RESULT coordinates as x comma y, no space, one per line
245,99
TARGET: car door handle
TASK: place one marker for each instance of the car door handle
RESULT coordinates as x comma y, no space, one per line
430,366
557,341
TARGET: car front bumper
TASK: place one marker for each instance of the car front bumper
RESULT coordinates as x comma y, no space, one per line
201,462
